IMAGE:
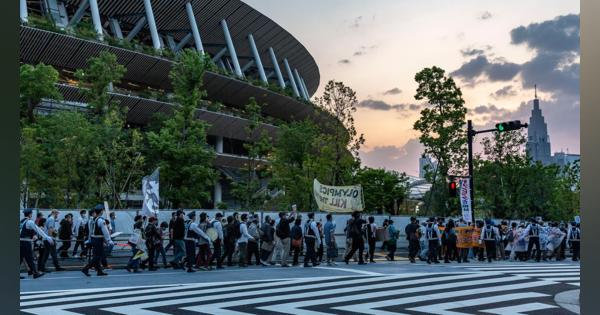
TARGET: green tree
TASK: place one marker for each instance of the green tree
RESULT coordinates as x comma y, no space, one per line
340,142
383,190
180,148
249,190
36,83
293,164
97,80
441,128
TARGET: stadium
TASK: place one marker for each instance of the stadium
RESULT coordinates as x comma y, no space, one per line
255,56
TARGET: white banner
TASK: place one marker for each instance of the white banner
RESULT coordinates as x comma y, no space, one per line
338,198
150,192
465,199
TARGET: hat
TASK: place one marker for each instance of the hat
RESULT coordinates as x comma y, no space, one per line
218,215
27,211
192,214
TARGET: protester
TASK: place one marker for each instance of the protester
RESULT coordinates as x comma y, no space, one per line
243,240
230,236
312,240
65,232
160,248
134,242
218,243
267,239
371,232
79,232
98,237
282,232
204,243
253,246
296,236
412,236
28,229
393,235
330,243
178,232
358,242
450,239
153,238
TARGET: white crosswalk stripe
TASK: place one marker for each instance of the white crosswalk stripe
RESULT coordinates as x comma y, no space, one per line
565,273
431,293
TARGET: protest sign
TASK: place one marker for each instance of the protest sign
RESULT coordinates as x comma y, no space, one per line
338,198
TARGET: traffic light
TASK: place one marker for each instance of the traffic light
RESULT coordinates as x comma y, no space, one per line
452,189
510,125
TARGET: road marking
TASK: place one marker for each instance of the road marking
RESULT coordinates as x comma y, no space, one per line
562,279
217,307
49,294
519,309
363,272
534,267
574,283
369,308
536,271
294,307
547,274
445,308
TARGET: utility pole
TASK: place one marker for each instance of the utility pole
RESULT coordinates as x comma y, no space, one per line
500,127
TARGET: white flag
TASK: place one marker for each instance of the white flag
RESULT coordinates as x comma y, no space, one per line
465,199
150,192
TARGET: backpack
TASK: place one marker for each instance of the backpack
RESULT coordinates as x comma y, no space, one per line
236,230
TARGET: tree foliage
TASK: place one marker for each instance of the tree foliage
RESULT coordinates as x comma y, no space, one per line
180,148
383,190
36,83
442,133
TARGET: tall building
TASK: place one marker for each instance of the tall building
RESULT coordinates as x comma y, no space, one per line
426,162
254,57
538,141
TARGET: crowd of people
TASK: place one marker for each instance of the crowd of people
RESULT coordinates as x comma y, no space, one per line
199,242
459,241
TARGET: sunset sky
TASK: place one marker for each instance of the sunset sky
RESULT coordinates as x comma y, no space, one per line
496,50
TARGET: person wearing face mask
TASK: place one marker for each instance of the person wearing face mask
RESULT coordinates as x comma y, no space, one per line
533,232
79,232
98,236
433,239
28,229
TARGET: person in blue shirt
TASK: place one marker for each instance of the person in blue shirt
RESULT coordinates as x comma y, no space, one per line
329,233
393,239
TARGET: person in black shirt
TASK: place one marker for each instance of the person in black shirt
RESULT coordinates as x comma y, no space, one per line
412,236
65,232
282,230
229,241
450,237
152,239
296,236
171,224
358,242
178,242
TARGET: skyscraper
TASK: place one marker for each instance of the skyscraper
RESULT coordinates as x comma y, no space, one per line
538,142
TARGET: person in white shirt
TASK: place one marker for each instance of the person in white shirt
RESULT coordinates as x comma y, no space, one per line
312,238
79,232
243,240
27,232
371,238
98,235
489,236
218,243
192,233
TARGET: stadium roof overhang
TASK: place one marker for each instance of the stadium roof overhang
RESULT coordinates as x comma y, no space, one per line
69,52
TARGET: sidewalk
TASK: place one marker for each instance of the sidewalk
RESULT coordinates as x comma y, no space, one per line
568,300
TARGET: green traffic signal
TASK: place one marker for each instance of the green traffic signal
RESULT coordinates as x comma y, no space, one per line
500,127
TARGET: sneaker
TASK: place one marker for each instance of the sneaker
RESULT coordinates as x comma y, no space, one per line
102,273
85,272
190,270
334,263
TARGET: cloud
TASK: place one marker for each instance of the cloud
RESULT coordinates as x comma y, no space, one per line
399,158
470,52
356,22
558,35
485,15
504,92
380,105
359,53
494,70
394,91
548,72
344,61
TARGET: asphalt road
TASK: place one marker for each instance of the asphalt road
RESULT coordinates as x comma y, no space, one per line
380,288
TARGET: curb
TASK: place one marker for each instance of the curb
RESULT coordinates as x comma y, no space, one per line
568,300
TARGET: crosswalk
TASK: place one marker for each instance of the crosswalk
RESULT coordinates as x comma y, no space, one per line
448,293
565,273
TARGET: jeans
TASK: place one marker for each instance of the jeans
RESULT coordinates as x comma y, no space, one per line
229,249
179,251
160,250
358,243
392,249
49,250
242,248
433,247
371,249
413,249
217,253
310,251
253,251
78,243
26,253
64,248
98,252
534,241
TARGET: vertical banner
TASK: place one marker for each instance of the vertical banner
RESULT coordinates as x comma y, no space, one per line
150,192
465,199
338,198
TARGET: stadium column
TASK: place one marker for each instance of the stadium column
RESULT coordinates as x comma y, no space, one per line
259,65
219,144
276,67
96,19
231,49
183,42
194,27
136,28
218,194
299,83
23,10
151,24
79,13
304,87
115,28
291,77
